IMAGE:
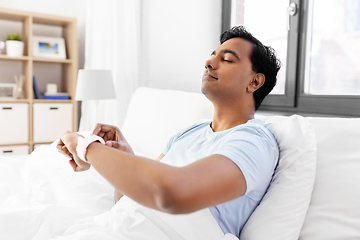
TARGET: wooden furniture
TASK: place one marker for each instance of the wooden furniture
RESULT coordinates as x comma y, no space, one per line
33,66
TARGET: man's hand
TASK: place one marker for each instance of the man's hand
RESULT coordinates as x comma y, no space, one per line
115,139
112,137
67,146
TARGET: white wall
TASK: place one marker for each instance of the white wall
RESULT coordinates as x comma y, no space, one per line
178,36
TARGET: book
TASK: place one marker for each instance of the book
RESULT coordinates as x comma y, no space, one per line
59,96
36,89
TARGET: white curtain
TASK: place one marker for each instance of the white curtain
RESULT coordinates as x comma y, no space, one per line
113,42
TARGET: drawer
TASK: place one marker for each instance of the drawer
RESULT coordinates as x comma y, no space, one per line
51,120
14,123
14,150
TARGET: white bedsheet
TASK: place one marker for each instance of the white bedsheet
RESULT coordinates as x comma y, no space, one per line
42,198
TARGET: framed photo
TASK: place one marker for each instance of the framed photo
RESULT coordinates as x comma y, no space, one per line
49,47
7,91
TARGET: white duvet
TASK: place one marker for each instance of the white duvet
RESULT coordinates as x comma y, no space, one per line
42,198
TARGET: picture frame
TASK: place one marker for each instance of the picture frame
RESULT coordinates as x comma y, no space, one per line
8,90
49,47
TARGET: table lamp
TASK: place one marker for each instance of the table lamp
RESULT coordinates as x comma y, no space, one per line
94,85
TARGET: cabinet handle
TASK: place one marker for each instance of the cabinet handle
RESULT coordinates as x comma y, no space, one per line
53,108
7,108
7,151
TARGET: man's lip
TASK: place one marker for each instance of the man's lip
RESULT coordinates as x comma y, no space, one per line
209,75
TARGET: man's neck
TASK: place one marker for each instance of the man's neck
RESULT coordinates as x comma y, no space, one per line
226,117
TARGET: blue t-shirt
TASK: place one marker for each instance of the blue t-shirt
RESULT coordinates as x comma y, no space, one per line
250,146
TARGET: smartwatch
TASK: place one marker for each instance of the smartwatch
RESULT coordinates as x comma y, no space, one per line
83,143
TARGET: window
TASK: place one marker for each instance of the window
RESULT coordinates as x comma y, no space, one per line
318,43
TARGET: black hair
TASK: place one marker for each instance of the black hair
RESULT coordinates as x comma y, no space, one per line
263,59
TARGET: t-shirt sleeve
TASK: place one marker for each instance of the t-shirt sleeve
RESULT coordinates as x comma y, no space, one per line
254,151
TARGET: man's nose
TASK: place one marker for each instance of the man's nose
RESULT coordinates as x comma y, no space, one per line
210,64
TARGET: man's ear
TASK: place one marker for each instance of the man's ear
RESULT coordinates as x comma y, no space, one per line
256,83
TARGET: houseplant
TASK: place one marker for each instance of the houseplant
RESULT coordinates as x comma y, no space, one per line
14,45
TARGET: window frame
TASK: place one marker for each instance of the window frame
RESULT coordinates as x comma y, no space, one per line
295,100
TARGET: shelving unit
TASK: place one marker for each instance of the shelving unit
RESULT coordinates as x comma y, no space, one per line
66,74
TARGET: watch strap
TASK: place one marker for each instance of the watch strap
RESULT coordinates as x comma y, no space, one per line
83,143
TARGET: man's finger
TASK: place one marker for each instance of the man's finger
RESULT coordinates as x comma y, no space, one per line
113,144
97,129
82,165
120,145
63,150
60,144
73,164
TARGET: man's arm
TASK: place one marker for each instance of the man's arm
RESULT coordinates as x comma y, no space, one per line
204,183
119,195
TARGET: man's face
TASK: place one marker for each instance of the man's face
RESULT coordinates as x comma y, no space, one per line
228,72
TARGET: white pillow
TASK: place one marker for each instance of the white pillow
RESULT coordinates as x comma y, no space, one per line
155,115
334,212
282,211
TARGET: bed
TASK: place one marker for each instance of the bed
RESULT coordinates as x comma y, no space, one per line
42,198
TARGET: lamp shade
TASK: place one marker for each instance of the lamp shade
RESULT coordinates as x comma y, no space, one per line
94,84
